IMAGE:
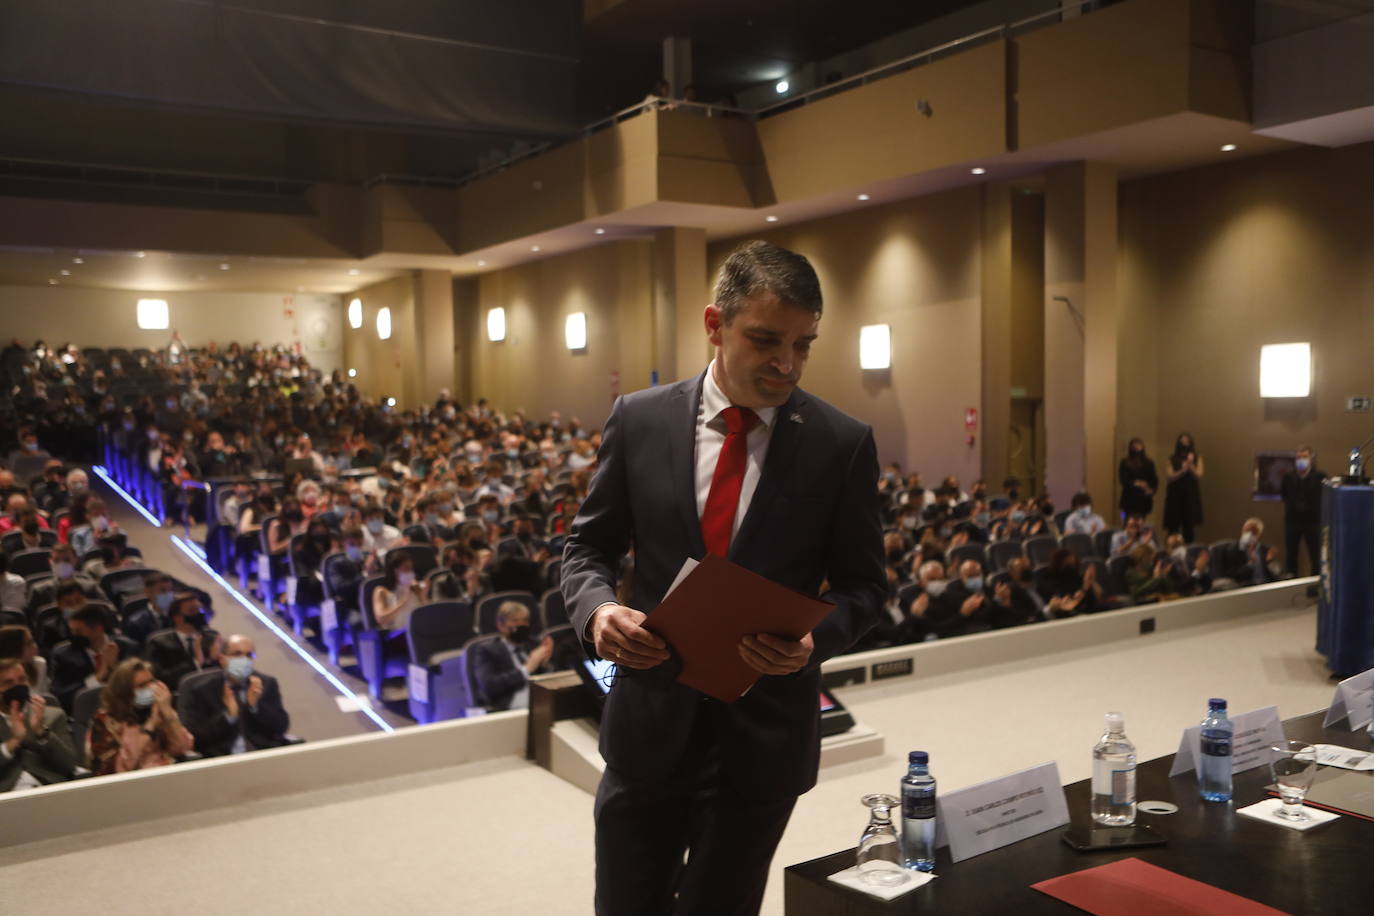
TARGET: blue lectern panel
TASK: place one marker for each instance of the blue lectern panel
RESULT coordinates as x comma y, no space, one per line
1345,616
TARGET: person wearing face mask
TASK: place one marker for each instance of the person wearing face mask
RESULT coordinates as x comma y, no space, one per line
1248,561
189,646
1083,520
22,516
1139,481
346,573
1183,495
1069,588
55,494
963,606
89,657
136,727
234,709
914,603
1301,489
307,558
493,485
16,641
35,738
502,667
64,571
398,595
380,537
1135,533
90,523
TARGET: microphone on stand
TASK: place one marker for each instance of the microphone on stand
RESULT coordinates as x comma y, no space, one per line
1356,469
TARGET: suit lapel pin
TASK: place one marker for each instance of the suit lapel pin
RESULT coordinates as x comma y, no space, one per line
795,418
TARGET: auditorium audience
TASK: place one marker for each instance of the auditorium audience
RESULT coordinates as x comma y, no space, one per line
189,646
89,657
503,666
136,727
1247,561
35,738
1135,533
1076,588
234,708
1183,496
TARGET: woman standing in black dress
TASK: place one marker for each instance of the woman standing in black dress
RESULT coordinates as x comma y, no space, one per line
1138,481
1183,499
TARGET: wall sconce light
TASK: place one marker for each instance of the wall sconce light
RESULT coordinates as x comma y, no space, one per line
875,347
496,325
355,313
152,314
1286,370
575,331
384,323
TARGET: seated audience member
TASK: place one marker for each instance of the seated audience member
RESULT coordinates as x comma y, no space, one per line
1083,520
1198,579
12,589
251,518
380,537
915,625
503,666
493,485
24,517
1076,588
89,657
35,738
70,598
64,571
1022,581
17,642
308,556
136,726
239,709
54,495
159,589
1132,535
345,574
84,535
1012,605
189,646
963,606
238,500
1039,519
459,577
1248,562
114,555
398,594
1149,578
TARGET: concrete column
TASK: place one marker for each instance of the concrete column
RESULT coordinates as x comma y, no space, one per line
1081,337
995,419
434,349
677,63
681,293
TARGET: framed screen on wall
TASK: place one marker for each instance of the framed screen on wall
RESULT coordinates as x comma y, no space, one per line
1270,468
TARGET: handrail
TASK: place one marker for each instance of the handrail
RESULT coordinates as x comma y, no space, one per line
149,177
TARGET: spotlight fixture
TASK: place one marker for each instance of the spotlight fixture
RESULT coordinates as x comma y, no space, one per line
352,373
65,272
575,331
224,267
384,323
481,263
152,314
782,87
390,402
771,219
355,313
140,254
1229,148
78,260
52,282
863,197
978,171
496,324
352,271
535,248
599,231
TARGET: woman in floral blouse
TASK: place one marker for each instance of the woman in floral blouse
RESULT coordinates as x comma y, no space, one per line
136,726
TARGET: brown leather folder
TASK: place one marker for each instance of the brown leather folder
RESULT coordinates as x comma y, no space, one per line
716,606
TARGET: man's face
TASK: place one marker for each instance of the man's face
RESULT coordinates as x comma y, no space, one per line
508,625
761,353
12,676
969,570
1132,525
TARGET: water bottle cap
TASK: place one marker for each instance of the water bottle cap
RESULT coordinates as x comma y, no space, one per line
920,757
1115,722
1217,701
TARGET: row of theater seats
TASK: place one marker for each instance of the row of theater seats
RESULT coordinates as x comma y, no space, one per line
434,658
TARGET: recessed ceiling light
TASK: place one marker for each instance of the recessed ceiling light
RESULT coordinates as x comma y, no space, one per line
65,272
481,263
771,219
534,248
782,87
352,373
978,171
353,271
140,254
599,231
224,267
52,282
78,261
1229,148
863,197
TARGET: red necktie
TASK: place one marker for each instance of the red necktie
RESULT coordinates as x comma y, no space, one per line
718,518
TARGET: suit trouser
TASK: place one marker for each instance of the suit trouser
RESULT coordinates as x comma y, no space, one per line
644,829
1295,534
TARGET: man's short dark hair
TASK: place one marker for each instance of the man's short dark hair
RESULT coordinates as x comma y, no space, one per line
758,267
66,588
91,615
153,580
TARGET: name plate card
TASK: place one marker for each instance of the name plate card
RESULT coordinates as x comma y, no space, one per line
1255,732
1000,812
1352,701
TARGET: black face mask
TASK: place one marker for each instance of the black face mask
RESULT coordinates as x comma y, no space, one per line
141,713
196,620
1048,509
520,633
80,642
19,693
30,528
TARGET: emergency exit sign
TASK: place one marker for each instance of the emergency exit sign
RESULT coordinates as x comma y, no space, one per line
1358,404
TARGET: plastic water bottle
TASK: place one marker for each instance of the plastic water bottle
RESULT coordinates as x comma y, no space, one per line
1114,776
1371,715
918,814
1214,767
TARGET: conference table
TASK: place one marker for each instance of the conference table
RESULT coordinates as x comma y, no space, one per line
1327,869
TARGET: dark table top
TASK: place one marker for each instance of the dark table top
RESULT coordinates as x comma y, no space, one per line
1326,870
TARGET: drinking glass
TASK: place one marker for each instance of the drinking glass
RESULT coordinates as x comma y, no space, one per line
880,857
1293,765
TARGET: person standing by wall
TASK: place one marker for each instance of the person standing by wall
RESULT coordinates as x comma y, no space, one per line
1302,511
1183,498
1139,481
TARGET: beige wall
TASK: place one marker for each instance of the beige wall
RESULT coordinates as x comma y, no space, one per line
1273,249
386,368
108,318
916,266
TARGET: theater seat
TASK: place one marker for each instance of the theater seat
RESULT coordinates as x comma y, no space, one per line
1102,543
1115,583
1080,544
13,541
1040,548
555,611
380,654
436,682
84,706
966,552
424,557
488,606
1001,553
31,562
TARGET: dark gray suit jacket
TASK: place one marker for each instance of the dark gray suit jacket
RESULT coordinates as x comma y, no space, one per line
50,760
813,519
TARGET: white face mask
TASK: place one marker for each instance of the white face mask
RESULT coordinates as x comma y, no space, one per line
404,579
1247,540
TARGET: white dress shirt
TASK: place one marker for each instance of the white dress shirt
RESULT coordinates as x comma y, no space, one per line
711,432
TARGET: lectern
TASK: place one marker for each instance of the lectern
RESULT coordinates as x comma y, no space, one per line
1345,615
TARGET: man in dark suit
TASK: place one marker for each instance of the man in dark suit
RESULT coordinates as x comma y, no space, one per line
964,606
740,462
503,666
234,709
89,657
189,646
35,739
1302,512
